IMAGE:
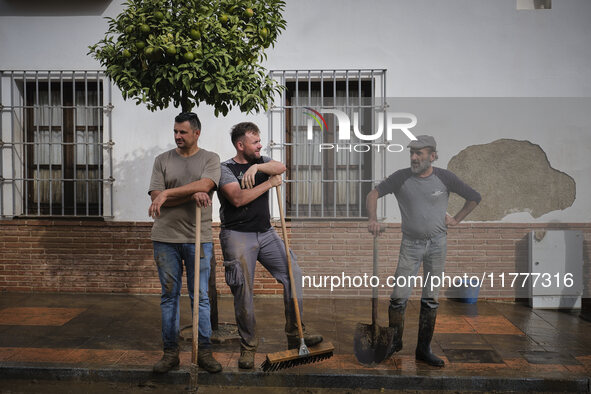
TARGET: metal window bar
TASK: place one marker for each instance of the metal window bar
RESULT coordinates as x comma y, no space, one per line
321,160
334,157
310,153
28,132
36,145
297,125
349,173
347,103
75,151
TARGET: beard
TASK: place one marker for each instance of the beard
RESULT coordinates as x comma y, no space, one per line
420,166
251,158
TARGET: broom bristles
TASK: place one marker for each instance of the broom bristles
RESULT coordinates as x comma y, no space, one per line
267,366
291,358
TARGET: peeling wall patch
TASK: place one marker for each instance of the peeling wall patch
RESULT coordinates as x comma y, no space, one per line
512,176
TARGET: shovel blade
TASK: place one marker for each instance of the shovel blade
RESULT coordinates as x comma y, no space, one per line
372,345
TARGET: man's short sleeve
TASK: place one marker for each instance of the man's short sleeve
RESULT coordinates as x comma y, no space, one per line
157,179
212,168
226,176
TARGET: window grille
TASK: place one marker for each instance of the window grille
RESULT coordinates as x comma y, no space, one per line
329,183
55,148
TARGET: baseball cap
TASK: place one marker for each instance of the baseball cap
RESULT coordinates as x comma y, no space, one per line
423,141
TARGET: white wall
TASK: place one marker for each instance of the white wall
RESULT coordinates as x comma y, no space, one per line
478,48
452,48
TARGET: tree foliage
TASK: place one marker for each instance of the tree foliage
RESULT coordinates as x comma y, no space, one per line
192,51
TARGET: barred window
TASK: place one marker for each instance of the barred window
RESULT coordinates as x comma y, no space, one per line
326,177
53,138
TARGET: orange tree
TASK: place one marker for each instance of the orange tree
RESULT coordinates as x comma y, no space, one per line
192,51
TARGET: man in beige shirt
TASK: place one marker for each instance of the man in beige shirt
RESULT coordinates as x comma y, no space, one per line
181,179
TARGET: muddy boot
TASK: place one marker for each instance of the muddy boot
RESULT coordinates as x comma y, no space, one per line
206,361
293,341
396,321
169,360
246,360
426,327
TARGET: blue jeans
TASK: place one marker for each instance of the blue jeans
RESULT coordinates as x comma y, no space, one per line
169,259
431,252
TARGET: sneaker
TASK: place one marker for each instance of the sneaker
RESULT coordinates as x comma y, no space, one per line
206,361
169,360
246,360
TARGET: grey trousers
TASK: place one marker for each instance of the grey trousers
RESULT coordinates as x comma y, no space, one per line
241,251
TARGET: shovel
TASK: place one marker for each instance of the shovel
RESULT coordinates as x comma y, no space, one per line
372,343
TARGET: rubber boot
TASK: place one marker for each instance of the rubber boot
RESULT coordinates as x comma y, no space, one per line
206,361
246,360
169,360
396,321
426,327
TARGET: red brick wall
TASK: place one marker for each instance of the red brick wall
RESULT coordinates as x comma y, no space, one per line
76,256
331,248
95,257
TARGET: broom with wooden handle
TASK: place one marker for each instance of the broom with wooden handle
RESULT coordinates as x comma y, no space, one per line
194,367
303,355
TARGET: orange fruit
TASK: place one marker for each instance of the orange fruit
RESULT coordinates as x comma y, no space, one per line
195,34
171,51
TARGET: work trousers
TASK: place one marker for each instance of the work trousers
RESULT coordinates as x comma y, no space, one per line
241,251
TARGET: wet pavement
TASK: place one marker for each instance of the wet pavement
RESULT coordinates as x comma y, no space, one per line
487,346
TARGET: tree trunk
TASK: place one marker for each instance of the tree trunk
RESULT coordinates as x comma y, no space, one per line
186,104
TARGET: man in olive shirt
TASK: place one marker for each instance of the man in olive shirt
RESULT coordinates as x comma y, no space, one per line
181,179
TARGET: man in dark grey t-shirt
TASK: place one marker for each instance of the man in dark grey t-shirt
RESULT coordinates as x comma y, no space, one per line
247,236
422,192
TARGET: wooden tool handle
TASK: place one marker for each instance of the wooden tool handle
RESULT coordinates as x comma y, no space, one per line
294,293
374,290
196,289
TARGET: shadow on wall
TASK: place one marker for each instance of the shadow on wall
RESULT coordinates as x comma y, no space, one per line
52,8
512,176
132,180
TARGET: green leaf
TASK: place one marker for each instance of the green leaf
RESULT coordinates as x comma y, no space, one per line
221,75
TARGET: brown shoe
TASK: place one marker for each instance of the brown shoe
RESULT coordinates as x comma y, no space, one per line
169,360
246,360
206,361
